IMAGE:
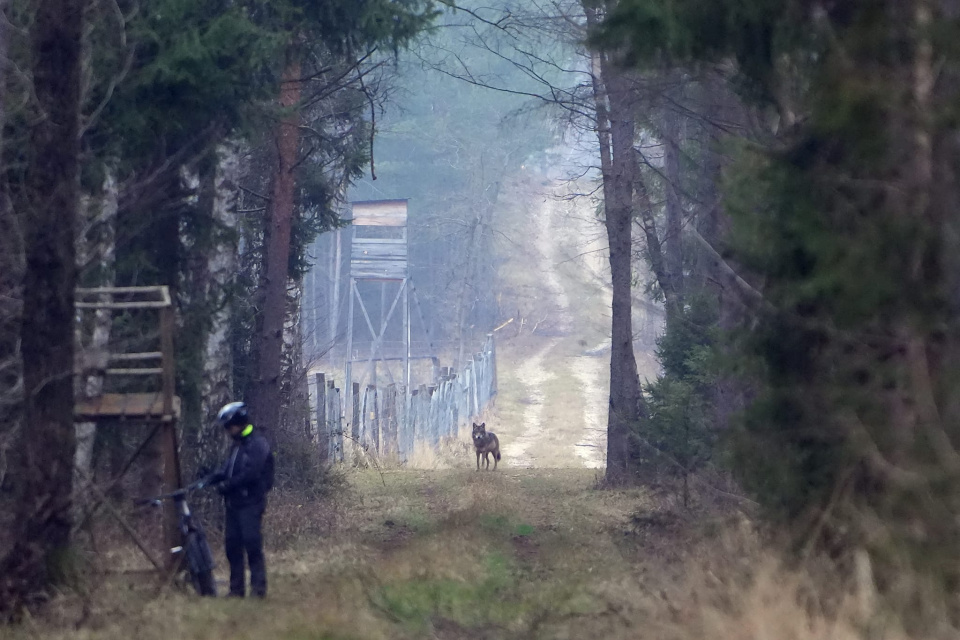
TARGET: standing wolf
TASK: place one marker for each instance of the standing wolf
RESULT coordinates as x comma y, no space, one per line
486,442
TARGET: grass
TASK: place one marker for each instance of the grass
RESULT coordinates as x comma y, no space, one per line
454,550
516,554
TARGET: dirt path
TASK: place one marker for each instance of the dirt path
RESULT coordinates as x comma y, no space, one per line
522,451
555,409
591,448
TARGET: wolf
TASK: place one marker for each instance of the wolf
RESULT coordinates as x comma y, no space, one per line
486,442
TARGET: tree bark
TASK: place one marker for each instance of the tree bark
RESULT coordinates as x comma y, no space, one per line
294,400
616,129
51,193
95,252
11,278
466,285
673,238
216,388
264,395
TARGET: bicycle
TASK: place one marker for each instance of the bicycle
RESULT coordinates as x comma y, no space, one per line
195,549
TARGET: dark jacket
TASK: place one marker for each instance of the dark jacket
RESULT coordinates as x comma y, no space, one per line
247,474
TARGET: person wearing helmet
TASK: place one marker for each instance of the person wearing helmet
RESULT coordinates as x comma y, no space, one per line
244,480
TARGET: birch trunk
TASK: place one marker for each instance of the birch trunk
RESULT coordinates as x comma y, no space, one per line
216,388
96,247
295,405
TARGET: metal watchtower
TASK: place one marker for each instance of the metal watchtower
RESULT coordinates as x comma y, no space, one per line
378,255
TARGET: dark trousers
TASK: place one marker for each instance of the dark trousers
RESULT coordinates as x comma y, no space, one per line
242,535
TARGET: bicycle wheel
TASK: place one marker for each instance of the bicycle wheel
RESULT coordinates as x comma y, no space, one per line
204,584
200,564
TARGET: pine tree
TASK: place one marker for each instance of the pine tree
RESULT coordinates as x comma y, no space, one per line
346,30
847,215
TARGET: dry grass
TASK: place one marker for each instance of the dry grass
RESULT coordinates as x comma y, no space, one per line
459,554
452,453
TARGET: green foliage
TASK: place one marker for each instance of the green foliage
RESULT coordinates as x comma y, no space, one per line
202,65
337,153
751,32
821,352
679,402
468,603
848,220
685,351
181,69
346,27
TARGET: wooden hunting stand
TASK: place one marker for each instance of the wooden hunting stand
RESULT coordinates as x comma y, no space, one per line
158,409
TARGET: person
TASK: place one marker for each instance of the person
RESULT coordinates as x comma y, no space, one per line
244,481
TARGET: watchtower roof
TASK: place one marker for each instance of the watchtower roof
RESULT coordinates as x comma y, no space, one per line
379,213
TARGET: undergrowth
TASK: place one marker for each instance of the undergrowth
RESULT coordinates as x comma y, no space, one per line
512,555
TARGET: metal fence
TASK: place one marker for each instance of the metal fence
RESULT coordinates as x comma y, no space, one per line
389,422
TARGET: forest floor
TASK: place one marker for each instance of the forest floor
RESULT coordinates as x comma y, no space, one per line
456,554
517,553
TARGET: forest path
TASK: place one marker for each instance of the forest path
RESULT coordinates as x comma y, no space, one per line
551,409
451,554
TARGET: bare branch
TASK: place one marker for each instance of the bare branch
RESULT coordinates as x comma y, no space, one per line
254,193
373,125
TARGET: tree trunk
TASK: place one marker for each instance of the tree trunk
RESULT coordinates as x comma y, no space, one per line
216,388
626,409
11,278
51,192
195,302
336,260
673,238
616,130
664,252
264,396
294,401
95,254
466,285
4,49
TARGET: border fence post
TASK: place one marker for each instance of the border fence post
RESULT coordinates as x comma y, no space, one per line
323,430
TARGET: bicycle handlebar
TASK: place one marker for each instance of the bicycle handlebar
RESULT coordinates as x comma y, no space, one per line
179,493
